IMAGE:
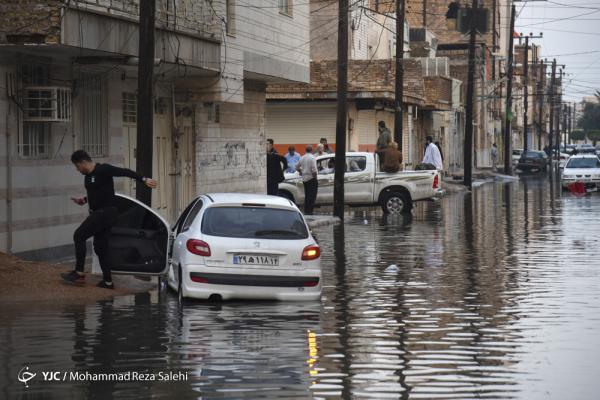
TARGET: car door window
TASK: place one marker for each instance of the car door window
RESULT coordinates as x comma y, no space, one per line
326,166
177,227
189,220
356,164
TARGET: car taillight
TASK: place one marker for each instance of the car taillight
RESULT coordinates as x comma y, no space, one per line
198,279
198,247
311,253
311,283
435,182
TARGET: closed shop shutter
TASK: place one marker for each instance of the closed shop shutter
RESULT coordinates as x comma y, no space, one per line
366,127
297,123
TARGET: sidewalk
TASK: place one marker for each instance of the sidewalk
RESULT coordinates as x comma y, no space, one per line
314,221
454,183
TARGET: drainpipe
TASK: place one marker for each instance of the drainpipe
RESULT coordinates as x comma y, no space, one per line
8,184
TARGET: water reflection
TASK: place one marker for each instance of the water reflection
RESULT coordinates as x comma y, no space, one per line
494,295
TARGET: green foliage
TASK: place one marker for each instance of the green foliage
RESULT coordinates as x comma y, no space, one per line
594,135
590,117
577,135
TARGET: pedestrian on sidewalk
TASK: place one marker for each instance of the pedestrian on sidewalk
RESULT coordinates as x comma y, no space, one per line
274,169
392,159
307,166
432,154
494,156
101,199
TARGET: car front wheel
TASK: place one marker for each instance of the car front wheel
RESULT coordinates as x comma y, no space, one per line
396,203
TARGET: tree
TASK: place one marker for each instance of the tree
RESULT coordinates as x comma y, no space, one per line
577,135
594,136
590,118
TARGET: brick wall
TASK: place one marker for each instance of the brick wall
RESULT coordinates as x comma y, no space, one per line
30,21
438,92
374,76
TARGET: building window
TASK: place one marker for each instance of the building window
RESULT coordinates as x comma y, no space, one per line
93,119
285,7
129,105
230,17
34,140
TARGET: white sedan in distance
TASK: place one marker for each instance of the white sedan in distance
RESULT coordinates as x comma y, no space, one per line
584,168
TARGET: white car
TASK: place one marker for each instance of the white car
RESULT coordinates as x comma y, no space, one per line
516,156
583,168
223,246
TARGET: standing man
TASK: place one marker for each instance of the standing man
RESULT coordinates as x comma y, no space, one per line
292,159
307,166
494,156
326,148
432,154
385,137
100,189
274,169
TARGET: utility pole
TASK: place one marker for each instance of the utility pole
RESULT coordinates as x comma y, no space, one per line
557,116
468,147
342,111
509,77
145,98
565,125
551,130
399,92
541,94
526,96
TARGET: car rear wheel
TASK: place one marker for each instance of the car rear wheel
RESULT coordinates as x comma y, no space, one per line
396,203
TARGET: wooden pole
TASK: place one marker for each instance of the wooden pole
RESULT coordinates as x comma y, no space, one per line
342,111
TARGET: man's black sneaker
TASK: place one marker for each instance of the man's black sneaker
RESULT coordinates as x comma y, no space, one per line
104,285
73,277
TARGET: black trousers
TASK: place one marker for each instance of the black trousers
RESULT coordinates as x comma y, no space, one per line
273,188
98,225
310,195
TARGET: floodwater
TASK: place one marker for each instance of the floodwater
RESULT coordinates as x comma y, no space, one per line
494,294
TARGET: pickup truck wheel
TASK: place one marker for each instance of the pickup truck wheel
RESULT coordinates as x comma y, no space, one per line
396,203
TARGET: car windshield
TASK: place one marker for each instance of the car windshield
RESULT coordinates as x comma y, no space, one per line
254,223
517,152
587,162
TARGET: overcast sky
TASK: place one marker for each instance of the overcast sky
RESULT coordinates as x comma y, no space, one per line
569,26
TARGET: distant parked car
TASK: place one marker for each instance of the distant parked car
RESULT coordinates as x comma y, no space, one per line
586,148
533,160
584,168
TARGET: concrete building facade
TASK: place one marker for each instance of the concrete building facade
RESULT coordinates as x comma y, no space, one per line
70,69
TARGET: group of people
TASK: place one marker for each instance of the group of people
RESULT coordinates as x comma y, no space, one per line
305,165
389,156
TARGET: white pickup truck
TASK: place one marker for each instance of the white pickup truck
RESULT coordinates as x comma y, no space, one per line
366,185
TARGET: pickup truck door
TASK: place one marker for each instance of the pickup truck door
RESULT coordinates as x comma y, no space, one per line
358,180
325,178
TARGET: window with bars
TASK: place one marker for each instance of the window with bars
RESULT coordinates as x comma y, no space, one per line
129,105
285,7
34,140
93,119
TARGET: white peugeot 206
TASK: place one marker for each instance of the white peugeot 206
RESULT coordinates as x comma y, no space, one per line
223,246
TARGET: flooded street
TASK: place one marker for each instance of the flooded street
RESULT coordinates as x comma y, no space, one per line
494,294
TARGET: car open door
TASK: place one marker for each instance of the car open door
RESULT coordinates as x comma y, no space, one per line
139,240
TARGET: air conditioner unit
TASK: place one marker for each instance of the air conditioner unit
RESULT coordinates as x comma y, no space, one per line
46,104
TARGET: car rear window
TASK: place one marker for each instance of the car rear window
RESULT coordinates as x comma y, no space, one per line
533,154
587,162
254,223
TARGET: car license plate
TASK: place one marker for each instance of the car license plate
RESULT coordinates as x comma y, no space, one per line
255,259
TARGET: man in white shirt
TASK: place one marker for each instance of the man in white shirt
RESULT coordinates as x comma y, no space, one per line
307,166
432,154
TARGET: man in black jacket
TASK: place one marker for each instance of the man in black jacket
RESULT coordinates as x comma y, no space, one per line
274,169
100,189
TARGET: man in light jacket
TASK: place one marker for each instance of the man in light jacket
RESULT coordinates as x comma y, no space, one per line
307,166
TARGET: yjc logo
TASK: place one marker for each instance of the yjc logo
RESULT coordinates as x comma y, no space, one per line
25,376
